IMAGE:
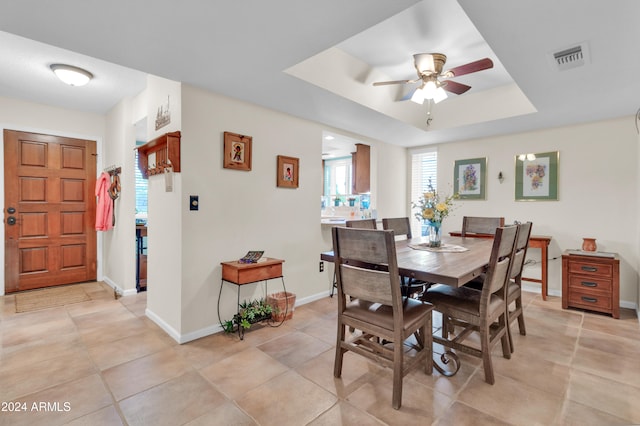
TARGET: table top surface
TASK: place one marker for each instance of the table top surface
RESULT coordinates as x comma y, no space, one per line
546,238
451,268
267,262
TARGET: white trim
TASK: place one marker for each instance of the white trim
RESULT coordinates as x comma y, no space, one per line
213,329
163,325
118,289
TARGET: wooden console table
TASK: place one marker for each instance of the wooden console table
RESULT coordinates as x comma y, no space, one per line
535,241
240,274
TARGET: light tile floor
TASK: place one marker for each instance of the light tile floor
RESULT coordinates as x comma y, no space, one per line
104,363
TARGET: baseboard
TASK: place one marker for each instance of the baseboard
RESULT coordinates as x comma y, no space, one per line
163,325
118,289
217,328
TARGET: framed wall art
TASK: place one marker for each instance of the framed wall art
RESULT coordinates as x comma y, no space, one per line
237,151
288,172
537,176
469,178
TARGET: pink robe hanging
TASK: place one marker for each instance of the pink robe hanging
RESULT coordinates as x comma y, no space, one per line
104,210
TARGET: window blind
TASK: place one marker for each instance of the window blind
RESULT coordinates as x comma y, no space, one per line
424,167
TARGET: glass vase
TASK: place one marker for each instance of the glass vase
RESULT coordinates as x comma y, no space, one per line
435,234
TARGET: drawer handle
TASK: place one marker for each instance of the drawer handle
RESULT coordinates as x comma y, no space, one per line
589,299
589,284
589,268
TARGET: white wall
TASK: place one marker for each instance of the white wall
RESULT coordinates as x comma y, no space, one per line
38,118
119,249
598,192
164,223
245,210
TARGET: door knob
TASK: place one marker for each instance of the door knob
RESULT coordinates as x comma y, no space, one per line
11,210
11,220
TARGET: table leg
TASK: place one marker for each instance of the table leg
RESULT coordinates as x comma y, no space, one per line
545,258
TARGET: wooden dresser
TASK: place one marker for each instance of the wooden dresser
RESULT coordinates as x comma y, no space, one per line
591,282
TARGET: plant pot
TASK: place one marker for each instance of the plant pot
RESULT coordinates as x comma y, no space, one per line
283,305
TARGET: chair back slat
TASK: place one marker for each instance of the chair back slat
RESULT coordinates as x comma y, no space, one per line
367,284
399,225
500,261
362,224
481,225
524,233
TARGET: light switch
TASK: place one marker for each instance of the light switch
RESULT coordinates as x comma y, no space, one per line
193,202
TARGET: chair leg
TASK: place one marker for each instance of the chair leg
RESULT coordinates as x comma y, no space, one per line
337,366
396,400
523,330
486,355
427,345
503,322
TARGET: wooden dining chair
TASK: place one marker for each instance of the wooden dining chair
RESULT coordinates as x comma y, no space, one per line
401,227
467,310
362,224
472,225
514,287
367,270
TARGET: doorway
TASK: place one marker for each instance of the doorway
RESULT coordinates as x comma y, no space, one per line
49,216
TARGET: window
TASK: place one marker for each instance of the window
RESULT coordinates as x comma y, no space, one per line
337,176
424,168
141,194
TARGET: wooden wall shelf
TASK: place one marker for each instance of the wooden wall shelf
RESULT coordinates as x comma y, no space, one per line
165,150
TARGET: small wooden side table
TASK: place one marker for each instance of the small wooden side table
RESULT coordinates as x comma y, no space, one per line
239,274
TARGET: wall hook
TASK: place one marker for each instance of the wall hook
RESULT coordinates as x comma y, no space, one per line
500,177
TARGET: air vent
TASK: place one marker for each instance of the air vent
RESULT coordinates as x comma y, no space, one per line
572,57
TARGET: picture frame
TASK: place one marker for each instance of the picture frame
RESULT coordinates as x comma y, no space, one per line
469,178
536,176
237,151
288,172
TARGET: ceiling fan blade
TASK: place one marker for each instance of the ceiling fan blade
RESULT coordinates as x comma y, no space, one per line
476,66
384,83
454,87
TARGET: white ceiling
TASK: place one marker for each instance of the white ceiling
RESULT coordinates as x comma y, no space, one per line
317,60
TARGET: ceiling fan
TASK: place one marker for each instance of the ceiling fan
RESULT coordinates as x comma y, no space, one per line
434,81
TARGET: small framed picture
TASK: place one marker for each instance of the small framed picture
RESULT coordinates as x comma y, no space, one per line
237,151
288,171
537,176
469,178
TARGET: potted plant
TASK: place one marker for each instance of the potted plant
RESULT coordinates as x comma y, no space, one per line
352,201
337,201
249,313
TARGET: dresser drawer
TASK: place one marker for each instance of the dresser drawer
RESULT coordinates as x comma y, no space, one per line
587,300
589,283
591,268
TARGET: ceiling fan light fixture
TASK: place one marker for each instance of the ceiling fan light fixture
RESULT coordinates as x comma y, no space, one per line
430,89
73,76
440,95
418,96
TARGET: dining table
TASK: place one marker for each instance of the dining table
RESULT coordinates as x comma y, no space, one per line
458,261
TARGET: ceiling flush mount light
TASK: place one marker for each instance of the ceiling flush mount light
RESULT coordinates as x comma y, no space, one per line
73,76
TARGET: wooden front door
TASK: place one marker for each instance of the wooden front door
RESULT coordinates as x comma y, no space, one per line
49,210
